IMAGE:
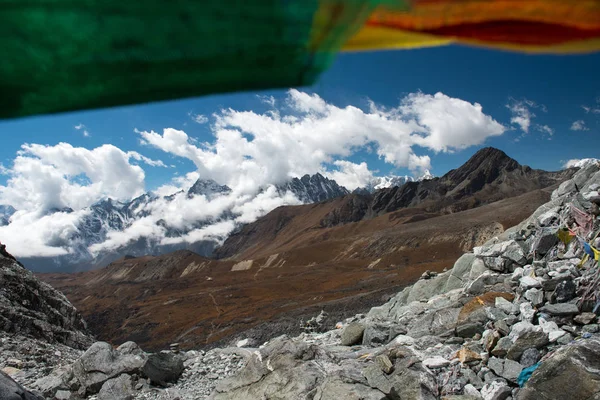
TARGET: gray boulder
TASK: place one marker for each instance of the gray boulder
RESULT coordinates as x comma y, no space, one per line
528,340
117,388
352,334
11,390
570,373
336,389
60,379
162,368
31,307
560,309
101,363
564,291
408,381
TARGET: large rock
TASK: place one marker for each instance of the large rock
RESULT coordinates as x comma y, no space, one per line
101,363
564,291
11,390
572,372
408,381
162,368
528,340
282,369
60,379
352,334
336,389
31,307
560,309
117,388
460,273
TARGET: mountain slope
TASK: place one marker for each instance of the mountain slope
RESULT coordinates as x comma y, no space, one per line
31,307
490,175
305,267
89,246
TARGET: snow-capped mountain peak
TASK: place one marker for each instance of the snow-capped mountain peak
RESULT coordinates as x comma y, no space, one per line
108,219
426,176
208,188
383,182
312,188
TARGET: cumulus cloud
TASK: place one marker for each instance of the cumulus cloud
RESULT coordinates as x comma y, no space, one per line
270,100
34,234
46,177
351,175
579,126
146,160
251,152
308,134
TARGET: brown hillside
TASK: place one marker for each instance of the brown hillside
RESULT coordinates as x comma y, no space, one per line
290,263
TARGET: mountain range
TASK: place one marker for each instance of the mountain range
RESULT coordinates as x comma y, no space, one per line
107,217
343,254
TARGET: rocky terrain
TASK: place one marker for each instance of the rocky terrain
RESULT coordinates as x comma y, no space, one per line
298,260
488,176
31,307
516,318
183,297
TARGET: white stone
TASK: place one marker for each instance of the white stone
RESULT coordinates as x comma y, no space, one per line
535,296
552,329
505,305
527,282
491,389
517,274
527,312
470,390
548,326
546,218
555,335
242,343
404,340
436,362
520,328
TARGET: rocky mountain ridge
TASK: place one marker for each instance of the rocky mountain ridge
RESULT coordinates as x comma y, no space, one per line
488,176
514,319
511,320
388,181
108,216
29,306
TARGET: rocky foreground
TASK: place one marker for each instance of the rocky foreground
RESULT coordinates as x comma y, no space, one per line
514,319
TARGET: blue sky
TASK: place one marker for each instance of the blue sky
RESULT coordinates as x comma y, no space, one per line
556,87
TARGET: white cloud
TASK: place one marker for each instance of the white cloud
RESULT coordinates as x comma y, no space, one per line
521,112
45,177
580,162
351,175
138,157
32,233
198,118
270,100
594,109
81,127
250,151
545,129
579,126
308,134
